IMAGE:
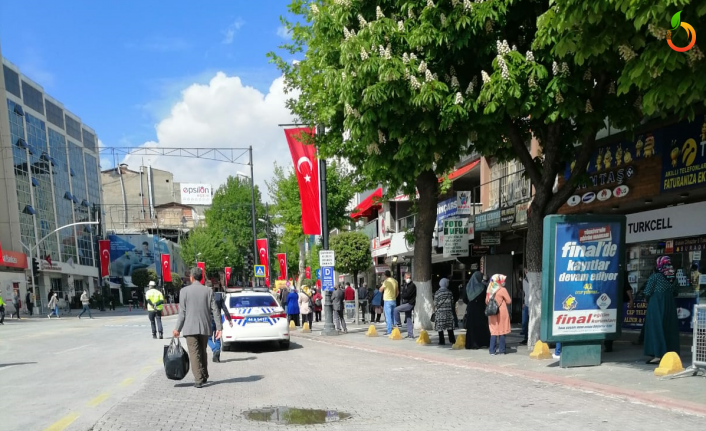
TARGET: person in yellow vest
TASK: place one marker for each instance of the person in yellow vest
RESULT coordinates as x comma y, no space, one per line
155,304
2,311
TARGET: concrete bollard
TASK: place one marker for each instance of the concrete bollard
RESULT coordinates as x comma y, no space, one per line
305,328
292,326
540,351
423,338
670,364
372,332
395,335
460,343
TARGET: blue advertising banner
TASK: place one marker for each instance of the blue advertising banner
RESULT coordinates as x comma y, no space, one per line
684,158
444,210
587,258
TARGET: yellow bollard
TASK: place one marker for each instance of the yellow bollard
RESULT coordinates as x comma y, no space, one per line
423,338
306,328
395,335
292,326
372,332
540,351
460,343
670,364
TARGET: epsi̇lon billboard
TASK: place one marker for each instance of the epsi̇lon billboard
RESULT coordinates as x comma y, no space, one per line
586,278
196,194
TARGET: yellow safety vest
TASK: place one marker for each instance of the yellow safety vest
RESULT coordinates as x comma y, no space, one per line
155,299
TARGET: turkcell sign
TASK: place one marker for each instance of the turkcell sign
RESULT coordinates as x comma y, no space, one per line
327,282
586,283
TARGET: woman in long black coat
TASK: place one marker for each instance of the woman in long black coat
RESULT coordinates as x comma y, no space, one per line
477,332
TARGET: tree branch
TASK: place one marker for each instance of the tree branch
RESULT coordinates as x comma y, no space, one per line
569,186
518,144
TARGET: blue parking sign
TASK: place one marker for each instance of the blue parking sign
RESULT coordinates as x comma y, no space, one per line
327,283
318,274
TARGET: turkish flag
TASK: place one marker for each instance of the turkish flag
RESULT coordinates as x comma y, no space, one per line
202,265
264,253
307,273
282,259
104,248
227,271
166,268
307,169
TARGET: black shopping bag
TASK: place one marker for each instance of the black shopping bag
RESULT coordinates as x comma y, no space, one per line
176,360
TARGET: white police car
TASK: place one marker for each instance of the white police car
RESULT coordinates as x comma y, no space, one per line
257,316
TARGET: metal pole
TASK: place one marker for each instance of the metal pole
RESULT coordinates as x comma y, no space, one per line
254,228
267,230
329,328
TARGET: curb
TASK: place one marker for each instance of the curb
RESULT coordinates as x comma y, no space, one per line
624,394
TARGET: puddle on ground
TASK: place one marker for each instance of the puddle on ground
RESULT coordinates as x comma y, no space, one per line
295,416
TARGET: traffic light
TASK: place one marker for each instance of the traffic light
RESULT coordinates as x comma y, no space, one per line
35,266
250,263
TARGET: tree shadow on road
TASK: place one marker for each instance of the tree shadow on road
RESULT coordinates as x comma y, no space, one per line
249,358
248,379
12,364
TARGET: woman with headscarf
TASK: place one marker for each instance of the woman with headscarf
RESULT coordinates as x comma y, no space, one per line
661,322
499,324
477,332
444,316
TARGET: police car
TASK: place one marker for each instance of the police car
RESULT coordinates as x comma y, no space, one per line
257,316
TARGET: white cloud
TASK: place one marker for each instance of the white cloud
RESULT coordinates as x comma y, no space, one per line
224,113
229,33
284,33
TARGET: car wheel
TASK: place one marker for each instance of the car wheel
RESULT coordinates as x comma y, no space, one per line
227,347
284,344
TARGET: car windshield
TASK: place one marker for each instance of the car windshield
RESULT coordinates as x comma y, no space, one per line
252,301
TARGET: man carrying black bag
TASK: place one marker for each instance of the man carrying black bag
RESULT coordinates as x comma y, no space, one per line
197,308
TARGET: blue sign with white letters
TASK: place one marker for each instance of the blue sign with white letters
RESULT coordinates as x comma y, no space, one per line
327,283
318,274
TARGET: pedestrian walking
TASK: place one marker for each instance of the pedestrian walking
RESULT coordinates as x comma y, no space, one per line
376,304
2,311
409,298
16,303
338,299
86,305
53,305
390,292
215,343
29,302
293,306
661,321
363,301
318,305
443,314
306,308
155,305
67,304
197,309
477,331
499,324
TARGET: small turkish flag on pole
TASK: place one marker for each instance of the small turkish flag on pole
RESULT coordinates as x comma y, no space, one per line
263,252
166,268
307,273
202,265
306,167
228,269
282,259
104,249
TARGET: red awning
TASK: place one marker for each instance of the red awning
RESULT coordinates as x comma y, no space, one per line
461,171
365,208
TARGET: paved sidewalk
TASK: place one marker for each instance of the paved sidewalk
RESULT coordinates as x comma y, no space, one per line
623,373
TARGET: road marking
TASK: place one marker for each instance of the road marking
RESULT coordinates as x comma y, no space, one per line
69,350
99,399
63,423
127,381
146,369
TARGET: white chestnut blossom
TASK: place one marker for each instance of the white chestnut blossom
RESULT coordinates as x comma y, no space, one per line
469,89
587,75
626,52
346,3
343,75
406,73
381,137
514,47
428,76
353,74
454,82
555,68
363,54
558,98
484,75
378,13
430,3
565,69
381,50
467,6
314,9
414,82
410,13
373,149
531,83
405,58
412,57
589,108
388,53
694,55
529,56
659,33
422,67
400,26
443,19
362,21
455,3
459,98
503,67
346,33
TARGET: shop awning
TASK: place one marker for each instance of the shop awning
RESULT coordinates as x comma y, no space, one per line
365,208
458,173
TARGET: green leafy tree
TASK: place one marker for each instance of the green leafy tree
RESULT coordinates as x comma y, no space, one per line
352,251
206,244
176,283
142,277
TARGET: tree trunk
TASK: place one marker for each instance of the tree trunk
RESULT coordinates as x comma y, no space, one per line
302,264
427,186
534,275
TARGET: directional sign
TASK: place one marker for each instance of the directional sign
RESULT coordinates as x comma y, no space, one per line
327,282
318,274
260,271
327,258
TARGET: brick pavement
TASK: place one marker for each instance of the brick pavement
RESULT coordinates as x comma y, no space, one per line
381,390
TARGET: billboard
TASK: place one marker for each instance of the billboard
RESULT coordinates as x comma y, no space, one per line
196,194
131,252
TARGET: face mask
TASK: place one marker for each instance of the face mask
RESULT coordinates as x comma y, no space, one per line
408,280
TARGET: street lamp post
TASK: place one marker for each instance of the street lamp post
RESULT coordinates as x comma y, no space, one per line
329,328
267,232
252,205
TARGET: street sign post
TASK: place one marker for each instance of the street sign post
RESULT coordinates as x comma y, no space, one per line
260,271
318,274
327,258
327,282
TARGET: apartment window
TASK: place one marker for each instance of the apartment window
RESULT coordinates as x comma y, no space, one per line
89,140
506,183
33,97
63,197
19,159
12,81
55,115
73,128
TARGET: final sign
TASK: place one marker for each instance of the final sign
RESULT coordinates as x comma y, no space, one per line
456,237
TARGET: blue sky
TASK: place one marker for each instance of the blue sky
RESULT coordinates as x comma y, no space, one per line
121,65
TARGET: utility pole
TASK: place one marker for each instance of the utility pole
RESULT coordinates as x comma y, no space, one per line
254,228
329,328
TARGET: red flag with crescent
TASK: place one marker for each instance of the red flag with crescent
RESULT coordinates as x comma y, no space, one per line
282,259
104,249
264,254
307,273
202,265
166,268
306,167
227,271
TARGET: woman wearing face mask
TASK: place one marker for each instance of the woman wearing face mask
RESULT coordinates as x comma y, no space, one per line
661,322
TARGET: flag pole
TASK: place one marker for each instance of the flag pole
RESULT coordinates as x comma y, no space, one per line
329,328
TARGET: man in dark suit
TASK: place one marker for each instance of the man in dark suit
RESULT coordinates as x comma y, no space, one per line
197,309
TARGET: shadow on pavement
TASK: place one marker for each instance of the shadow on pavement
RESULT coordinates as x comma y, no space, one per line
12,364
248,379
262,347
249,358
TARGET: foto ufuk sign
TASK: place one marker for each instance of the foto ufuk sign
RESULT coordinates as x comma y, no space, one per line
583,275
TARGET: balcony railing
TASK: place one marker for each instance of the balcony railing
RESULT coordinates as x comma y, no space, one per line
507,190
370,229
406,223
